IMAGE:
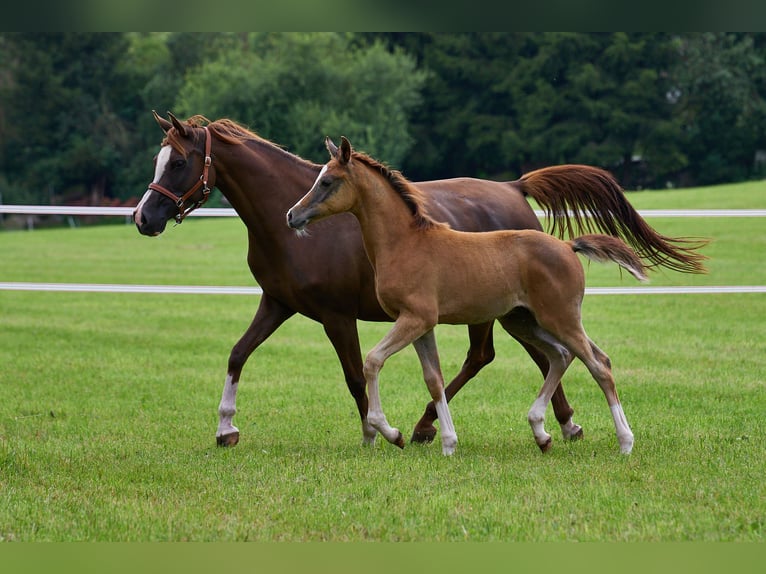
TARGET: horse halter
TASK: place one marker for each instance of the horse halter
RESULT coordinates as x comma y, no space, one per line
183,208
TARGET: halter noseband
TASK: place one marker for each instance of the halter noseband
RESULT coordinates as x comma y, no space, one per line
183,209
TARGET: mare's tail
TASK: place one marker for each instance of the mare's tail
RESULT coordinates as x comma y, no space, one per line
584,199
605,248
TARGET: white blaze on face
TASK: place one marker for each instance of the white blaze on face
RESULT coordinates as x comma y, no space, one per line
321,173
162,161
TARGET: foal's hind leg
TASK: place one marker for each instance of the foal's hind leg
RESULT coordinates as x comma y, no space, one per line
561,408
600,368
558,361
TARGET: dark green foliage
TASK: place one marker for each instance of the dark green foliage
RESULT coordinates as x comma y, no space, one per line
657,109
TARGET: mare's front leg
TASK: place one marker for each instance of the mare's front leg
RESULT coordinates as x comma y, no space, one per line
344,336
406,329
270,315
428,354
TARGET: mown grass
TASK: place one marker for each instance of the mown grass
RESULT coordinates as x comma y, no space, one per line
108,410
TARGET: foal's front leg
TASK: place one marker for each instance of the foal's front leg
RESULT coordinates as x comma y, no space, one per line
405,330
429,360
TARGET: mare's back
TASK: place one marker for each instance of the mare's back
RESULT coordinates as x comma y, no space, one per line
469,204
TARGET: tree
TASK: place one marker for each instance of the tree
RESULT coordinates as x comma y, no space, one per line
64,129
295,88
600,99
720,83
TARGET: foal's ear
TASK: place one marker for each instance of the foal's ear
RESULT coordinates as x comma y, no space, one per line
331,147
345,150
164,124
180,128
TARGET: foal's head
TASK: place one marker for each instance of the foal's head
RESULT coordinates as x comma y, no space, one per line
336,189
330,193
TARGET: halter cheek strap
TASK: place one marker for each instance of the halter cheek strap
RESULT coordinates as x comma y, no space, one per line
183,208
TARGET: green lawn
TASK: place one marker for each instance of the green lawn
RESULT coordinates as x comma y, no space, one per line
108,408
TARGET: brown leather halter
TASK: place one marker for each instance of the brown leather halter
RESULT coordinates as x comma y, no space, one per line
183,209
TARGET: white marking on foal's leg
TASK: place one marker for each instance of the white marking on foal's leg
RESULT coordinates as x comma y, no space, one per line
446,426
368,433
624,434
375,415
536,419
227,408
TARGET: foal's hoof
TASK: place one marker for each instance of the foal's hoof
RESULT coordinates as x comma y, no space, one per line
227,439
577,435
546,446
399,441
423,435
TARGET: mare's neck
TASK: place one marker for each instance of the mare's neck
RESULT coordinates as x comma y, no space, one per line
261,181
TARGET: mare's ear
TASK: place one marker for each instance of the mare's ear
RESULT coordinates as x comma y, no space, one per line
164,124
345,150
331,147
180,128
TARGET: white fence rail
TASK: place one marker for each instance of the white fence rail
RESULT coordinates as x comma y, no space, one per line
233,290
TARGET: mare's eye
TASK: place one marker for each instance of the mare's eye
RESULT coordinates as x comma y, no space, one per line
178,164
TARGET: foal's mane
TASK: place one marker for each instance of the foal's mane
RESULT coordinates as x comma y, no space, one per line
226,130
411,195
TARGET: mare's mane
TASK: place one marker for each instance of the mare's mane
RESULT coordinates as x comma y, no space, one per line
411,195
226,130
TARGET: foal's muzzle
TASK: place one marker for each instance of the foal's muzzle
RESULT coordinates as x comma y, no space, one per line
296,218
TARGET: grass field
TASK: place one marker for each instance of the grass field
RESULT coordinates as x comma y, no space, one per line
108,407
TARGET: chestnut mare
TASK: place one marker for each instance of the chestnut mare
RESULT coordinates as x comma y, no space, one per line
427,274
261,181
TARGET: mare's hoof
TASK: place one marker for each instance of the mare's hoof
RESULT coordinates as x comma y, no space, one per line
399,441
227,439
546,446
423,435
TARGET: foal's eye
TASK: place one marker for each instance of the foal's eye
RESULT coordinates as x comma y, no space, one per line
325,182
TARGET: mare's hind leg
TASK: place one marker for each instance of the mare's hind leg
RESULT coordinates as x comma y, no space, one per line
429,360
270,315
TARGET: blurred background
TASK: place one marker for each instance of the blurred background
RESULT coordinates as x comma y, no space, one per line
659,110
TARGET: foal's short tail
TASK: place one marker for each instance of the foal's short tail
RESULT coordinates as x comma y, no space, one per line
605,248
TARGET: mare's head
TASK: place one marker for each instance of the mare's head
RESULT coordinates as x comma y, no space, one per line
330,193
182,175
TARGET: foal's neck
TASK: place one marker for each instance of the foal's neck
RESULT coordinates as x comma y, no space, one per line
386,221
